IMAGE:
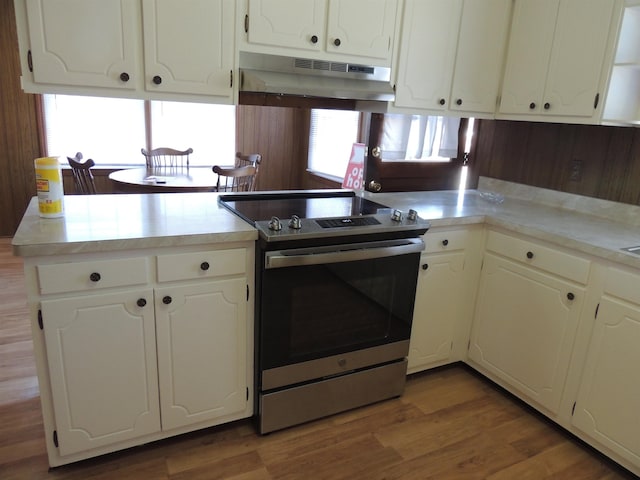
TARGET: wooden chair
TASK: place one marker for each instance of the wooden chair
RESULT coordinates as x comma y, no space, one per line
167,157
82,176
241,179
249,159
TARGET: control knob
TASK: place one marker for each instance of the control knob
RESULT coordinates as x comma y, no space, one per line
412,215
275,224
396,215
295,222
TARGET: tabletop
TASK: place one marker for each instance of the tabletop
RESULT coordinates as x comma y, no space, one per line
164,179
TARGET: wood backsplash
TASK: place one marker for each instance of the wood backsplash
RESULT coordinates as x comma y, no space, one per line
604,161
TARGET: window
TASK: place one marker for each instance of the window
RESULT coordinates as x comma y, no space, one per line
419,138
332,134
112,131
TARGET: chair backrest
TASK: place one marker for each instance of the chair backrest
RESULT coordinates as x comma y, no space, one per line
167,157
241,179
82,176
253,159
249,159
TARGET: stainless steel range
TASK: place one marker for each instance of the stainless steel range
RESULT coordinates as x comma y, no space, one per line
336,279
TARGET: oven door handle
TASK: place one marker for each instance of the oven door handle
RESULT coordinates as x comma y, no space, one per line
342,253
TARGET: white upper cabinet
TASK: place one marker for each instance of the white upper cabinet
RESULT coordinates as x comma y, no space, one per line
480,56
451,55
189,48
128,48
322,29
556,58
623,97
427,53
84,42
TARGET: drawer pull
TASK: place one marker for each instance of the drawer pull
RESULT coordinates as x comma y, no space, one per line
141,302
445,242
529,255
570,296
204,266
425,266
166,300
95,277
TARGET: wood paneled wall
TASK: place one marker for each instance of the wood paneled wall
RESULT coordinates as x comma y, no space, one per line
19,138
280,135
544,155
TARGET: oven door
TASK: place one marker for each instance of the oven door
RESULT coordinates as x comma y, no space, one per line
326,301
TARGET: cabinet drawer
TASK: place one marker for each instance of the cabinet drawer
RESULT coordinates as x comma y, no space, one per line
446,241
216,263
621,284
82,276
545,258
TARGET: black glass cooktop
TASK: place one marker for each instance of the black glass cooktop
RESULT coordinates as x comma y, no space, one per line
264,206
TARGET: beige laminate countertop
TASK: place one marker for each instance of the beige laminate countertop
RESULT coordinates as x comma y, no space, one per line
102,223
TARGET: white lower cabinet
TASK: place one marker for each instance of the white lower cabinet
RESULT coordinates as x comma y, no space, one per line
202,334
135,349
528,308
608,400
102,363
447,282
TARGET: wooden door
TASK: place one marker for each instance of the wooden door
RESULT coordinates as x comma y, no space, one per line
283,23
438,308
101,352
189,49
85,42
363,28
425,72
577,58
381,176
527,63
480,55
609,395
524,328
202,351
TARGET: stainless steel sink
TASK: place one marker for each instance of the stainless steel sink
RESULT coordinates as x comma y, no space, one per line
635,249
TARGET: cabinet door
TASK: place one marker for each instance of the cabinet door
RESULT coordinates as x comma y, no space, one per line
102,363
361,27
439,305
480,55
283,23
524,328
577,57
609,395
202,355
189,47
530,42
84,42
425,72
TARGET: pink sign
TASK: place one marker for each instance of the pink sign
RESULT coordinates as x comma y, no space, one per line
354,178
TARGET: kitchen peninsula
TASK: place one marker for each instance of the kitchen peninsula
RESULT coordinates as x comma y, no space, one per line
162,258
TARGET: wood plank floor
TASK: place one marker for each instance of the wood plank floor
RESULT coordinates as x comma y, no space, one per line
449,424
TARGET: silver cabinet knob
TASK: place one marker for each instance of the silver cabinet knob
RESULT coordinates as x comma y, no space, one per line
295,222
396,215
275,224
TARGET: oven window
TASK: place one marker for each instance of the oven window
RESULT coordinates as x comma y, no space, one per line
313,311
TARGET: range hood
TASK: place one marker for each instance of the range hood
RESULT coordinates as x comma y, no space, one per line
314,78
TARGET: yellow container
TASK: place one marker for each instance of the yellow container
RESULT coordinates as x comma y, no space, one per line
49,187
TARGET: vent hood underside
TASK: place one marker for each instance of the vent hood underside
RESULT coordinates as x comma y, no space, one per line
313,78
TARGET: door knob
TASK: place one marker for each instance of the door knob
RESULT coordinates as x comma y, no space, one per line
376,152
374,186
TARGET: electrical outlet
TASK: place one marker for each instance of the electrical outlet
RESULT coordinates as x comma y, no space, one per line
576,170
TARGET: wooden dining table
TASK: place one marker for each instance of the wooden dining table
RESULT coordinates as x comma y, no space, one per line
164,180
